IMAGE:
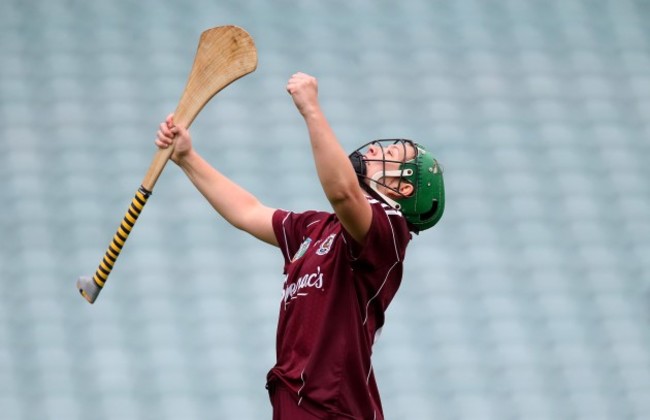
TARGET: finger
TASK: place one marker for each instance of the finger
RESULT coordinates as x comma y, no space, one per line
161,144
165,129
294,78
170,120
160,135
292,86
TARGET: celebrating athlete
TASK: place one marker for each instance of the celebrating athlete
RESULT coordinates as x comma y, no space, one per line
342,268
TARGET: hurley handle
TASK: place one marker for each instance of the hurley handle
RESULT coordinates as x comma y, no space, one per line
90,287
224,54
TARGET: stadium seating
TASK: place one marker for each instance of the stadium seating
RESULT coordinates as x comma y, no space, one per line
529,301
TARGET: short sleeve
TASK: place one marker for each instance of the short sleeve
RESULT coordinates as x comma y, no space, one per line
386,240
291,229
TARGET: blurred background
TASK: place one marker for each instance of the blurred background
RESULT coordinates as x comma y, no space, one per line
530,300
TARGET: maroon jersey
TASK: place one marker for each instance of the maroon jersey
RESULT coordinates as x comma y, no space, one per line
333,302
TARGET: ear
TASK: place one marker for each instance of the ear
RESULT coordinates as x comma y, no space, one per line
405,189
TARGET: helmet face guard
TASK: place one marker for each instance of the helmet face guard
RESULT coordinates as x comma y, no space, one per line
424,207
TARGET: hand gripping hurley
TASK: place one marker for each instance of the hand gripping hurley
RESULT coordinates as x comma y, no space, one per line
224,54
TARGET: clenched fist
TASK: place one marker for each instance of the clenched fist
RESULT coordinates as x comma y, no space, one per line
303,89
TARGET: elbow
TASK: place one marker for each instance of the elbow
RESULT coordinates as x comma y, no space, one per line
242,220
341,196
247,217
238,224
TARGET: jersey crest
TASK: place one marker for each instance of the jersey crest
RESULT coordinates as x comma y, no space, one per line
326,245
301,251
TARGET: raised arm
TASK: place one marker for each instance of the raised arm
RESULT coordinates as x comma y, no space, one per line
239,207
335,172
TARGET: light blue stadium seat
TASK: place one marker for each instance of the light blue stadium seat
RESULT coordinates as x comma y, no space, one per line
527,301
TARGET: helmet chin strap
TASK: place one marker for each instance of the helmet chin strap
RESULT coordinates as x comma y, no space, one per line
359,164
375,182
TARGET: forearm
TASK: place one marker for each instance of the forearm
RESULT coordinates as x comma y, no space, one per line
335,172
230,200
239,207
333,167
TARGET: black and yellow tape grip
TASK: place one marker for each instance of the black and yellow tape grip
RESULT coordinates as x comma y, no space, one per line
89,287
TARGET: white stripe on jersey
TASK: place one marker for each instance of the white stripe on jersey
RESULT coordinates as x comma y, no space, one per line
302,378
284,232
394,239
378,291
387,209
397,260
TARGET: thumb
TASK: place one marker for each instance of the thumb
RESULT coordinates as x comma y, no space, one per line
180,131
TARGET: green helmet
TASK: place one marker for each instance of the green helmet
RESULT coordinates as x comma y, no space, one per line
424,207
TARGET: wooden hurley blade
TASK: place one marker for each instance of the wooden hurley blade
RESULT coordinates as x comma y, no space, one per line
224,54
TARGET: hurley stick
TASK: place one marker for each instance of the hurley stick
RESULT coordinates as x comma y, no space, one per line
224,54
